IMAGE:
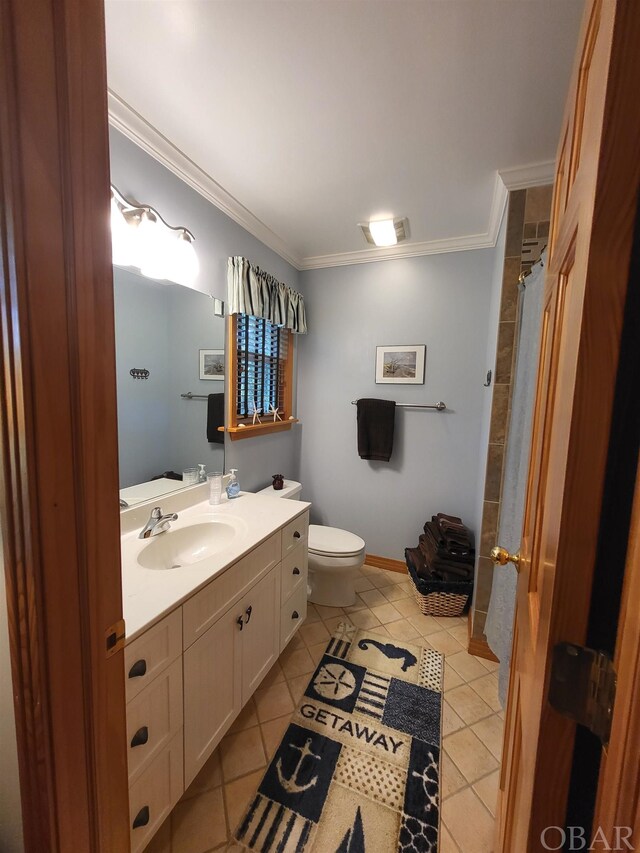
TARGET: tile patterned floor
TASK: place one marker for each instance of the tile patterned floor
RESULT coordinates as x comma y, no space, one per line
211,808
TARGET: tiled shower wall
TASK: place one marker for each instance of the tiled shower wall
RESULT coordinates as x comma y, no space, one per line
527,234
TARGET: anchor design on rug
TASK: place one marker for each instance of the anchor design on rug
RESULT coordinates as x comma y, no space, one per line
290,784
390,651
429,779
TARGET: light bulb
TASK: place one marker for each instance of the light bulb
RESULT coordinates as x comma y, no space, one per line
151,247
121,237
184,264
383,232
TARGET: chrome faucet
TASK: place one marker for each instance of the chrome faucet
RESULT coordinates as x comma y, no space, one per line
158,523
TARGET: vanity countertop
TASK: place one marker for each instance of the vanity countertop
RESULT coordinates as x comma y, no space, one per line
149,594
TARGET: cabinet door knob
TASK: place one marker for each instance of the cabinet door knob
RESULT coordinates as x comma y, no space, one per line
139,668
296,535
296,571
240,622
295,615
248,611
142,818
140,737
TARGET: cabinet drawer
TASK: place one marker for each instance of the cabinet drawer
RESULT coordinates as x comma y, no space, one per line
202,610
153,718
295,533
294,571
292,615
149,654
155,793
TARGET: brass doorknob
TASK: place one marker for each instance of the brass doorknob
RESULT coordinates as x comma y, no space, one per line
500,556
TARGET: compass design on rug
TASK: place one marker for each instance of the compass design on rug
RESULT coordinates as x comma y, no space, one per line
334,681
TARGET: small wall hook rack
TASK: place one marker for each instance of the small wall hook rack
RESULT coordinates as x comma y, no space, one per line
139,373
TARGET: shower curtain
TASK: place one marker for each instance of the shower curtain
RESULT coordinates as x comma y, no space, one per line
499,624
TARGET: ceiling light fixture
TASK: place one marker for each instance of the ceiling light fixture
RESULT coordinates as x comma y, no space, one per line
385,232
141,238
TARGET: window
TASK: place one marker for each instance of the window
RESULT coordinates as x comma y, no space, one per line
261,375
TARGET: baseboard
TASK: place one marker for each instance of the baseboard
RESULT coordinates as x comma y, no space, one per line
480,648
385,563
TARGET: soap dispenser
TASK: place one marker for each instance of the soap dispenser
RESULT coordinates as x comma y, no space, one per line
233,486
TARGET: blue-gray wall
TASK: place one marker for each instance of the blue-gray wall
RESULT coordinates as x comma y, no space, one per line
142,179
441,301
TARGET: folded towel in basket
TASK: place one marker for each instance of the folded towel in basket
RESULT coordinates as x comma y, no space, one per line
460,570
427,572
446,550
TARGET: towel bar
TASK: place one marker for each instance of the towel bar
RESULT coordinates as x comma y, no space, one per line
439,406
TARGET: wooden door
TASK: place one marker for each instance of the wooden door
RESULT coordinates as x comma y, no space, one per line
212,690
617,812
593,214
58,427
261,633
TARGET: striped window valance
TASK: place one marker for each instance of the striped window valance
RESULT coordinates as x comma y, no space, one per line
256,293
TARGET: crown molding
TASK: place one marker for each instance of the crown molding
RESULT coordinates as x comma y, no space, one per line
143,134
136,128
534,175
431,247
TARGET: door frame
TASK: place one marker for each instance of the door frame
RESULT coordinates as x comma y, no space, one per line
58,430
605,186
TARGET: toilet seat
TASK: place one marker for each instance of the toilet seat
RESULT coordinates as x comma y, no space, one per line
334,542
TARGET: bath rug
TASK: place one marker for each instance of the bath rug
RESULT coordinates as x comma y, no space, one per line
357,770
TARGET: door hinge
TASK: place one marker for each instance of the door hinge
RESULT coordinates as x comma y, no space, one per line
114,638
583,687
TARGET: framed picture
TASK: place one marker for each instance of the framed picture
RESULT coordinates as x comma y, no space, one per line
212,364
401,365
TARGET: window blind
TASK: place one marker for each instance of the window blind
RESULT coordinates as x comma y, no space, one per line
261,348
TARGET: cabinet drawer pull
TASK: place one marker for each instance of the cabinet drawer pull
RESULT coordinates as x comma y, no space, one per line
139,668
248,611
295,615
140,737
240,622
296,571
296,535
142,818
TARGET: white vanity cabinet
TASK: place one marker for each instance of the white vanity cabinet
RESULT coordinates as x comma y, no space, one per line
189,675
225,665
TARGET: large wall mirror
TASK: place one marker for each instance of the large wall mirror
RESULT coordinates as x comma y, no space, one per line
174,333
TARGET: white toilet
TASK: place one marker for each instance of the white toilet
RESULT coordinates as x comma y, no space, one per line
334,557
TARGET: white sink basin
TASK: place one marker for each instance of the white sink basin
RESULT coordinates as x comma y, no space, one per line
187,545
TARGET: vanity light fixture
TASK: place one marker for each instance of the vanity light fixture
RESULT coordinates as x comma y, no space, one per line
385,232
141,238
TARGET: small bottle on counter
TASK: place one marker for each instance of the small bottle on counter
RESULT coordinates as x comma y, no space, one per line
233,486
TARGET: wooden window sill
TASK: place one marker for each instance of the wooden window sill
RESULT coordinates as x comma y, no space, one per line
237,432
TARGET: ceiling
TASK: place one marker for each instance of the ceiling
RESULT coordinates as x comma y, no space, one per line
302,118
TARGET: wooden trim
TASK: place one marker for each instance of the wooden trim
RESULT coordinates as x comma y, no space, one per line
250,430
480,649
387,563
478,646
59,486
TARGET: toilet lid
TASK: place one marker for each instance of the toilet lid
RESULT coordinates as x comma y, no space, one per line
331,541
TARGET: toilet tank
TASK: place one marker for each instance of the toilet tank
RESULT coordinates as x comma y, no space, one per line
291,490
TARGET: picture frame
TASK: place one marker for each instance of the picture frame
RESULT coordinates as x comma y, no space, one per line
401,364
212,364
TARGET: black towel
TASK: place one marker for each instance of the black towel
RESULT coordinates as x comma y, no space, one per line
375,428
215,418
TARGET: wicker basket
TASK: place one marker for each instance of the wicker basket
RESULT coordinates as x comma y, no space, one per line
437,597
